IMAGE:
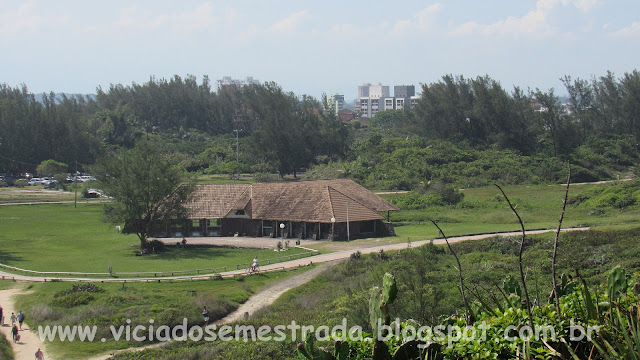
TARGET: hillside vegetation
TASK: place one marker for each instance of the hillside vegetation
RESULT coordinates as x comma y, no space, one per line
462,131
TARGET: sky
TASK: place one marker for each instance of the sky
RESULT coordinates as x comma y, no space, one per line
314,47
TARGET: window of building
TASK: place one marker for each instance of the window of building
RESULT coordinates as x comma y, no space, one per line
239,212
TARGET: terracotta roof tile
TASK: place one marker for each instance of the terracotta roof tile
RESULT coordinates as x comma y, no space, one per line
308,201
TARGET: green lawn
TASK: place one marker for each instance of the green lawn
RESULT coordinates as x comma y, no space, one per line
483,210
166,303
62,238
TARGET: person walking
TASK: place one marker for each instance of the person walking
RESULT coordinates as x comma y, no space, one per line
14,334
13,319
20,318
1,316
39,355
205,316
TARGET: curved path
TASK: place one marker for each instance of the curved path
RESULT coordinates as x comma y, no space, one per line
29,340
256,302
345,254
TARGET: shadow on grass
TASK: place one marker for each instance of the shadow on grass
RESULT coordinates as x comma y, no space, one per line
9,258
190,253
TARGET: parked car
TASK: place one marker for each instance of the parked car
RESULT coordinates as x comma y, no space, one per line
51,184
34,181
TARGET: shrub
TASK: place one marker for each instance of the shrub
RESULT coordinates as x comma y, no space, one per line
437,195
264,177
43,312
72,300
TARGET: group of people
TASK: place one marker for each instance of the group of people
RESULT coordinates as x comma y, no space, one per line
17,320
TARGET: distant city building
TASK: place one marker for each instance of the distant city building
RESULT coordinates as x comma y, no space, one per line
336,101
227,80
374,98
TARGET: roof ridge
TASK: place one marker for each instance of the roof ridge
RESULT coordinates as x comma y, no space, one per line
343,194
333,213
233,205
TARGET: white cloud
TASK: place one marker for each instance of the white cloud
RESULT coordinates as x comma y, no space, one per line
586,5
26,19
230,15
632,30
291,22
535,23
201,17
423,20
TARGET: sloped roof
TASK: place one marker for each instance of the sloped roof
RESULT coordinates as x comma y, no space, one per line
308,201
215,201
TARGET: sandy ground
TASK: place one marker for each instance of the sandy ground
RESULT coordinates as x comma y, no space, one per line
29,342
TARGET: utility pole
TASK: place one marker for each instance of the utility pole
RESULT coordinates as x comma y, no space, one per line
75,180
348,235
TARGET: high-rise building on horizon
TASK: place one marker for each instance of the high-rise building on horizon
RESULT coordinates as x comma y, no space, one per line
374,98
337,102
227,81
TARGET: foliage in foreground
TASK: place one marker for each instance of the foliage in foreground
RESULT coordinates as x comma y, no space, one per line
599,324
6,352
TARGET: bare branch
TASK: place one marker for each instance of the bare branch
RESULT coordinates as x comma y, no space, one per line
522,279
555,245
467,310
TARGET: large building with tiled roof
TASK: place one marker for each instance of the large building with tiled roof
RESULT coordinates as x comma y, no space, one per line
323,209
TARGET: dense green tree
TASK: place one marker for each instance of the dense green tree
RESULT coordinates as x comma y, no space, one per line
51,167
147,187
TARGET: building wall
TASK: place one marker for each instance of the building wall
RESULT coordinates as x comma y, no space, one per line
404,91
292,230
375,98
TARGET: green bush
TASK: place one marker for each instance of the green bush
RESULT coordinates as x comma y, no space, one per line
6,352
439,195
72,300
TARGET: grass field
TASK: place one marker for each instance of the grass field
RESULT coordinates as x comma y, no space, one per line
483,210
113,304
59,237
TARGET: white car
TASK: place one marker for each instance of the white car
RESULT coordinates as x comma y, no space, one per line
34,181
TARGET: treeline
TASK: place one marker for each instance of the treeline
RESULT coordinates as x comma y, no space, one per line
32,131
279,130
481,112
264,129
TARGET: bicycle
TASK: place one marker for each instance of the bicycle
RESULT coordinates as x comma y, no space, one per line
252,270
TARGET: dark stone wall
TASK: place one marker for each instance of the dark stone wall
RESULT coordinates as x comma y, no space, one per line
242,227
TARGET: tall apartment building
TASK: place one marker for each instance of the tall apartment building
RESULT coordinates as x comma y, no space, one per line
337,102
371,98
374,98
227,80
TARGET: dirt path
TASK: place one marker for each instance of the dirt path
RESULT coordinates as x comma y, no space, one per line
269,295
256,302
29,342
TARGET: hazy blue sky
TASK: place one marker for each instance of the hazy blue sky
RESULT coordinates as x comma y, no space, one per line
314,46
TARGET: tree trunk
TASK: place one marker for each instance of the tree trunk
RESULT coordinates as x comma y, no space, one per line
144,244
